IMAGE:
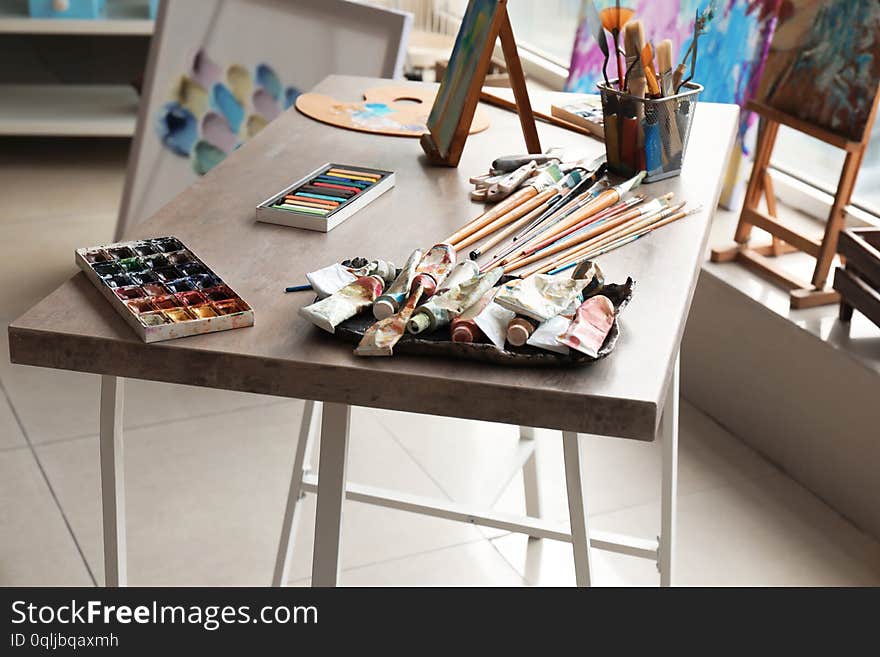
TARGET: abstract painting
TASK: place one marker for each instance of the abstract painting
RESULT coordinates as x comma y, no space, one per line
211,112
731,55
824,64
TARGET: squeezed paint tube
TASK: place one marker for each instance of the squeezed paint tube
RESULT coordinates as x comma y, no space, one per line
349,301
433,268
591,324
540,296
441,309
461,273
389,302
329,280
545,336
519,329
464,327
385,270
493,321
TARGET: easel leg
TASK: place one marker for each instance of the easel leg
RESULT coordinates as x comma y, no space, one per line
518,84
669,440
335,422
836,217
530,476
577,509
294,494
112,481
763,151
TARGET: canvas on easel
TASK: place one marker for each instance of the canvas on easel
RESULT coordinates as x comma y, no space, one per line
821,79
450,119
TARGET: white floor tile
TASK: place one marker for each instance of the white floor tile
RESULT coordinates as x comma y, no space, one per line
10,432
36,549
472,564
205,499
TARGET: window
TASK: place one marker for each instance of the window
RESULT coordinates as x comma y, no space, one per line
546,28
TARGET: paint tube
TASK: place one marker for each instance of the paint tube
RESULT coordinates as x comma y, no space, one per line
441,309
519,329
540,296
464,327
380,338
461,273
385,270
545,336
493,321
433,268
389,302
349,301
591,324
329,280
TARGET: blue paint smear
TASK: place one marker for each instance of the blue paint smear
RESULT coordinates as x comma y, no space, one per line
226,104
290,96
268,80
177,128
378,109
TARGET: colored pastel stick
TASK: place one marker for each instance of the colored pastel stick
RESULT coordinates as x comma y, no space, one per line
323,196
337,176
356,190
339,193
350,177
302,208
342,181
308,205
358,174
329,204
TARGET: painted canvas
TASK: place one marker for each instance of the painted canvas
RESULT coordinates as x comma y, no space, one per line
731,55
824,64
476,30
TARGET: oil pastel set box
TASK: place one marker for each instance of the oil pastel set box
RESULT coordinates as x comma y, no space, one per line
326,197
162,289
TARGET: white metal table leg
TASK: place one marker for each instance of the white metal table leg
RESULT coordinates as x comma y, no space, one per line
530,476
669,439
292,509
577,508
333,458
112,481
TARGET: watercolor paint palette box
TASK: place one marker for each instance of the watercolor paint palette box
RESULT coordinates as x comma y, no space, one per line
326,197
162,289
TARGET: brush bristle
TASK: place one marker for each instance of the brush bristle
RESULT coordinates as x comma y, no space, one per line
634,38
664,55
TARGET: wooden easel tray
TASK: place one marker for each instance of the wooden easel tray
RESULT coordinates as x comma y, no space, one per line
438,343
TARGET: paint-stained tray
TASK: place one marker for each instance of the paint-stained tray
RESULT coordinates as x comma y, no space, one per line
439,344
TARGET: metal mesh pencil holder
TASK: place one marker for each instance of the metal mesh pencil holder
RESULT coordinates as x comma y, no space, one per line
647,134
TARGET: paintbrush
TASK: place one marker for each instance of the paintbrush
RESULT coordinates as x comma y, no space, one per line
650,76
613,19
604,200
624,241
539,183
664,66
576,244
612,234
634,42
701,26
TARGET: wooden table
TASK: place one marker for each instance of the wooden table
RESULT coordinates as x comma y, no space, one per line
625,395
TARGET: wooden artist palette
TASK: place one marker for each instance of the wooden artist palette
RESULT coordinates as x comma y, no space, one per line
397,111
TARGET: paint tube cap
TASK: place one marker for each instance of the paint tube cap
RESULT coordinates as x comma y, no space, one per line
384,307
464,333
517,334
418,323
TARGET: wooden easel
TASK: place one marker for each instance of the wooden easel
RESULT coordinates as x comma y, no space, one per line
785,239
500,27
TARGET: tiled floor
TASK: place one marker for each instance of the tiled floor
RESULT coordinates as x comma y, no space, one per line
207,471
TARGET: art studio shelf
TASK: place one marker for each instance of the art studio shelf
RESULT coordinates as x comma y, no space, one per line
68,110
124,17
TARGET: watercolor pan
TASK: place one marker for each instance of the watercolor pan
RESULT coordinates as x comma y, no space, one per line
162,289
326,197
